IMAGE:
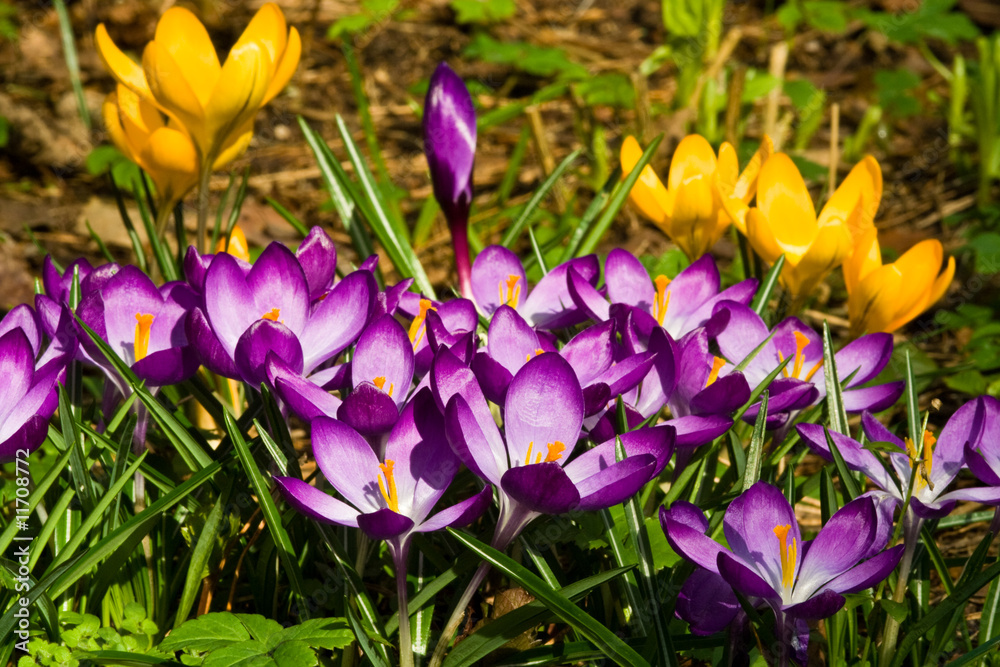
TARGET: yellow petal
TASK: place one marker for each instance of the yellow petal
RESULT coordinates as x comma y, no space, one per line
784,200
183,36
694,158
864,258
746,185
872,305
125,70
762,238
237,246
918,267
942,283
268,30
286,66
831,245
648,194
173,163
864,184
236,144
172,92
113,124
694,221
238,95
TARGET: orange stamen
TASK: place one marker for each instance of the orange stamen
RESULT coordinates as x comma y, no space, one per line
789,555
812,371
272,315
391,498
513,291
662,298
527,459
144,321
555,451
801,343
717,364
538,351
417,328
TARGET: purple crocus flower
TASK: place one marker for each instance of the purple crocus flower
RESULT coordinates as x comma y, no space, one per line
802,383
389,499
498,279
442,322
767,560
970,430
982,455
450,147
701,389
268,309
511,343
679,305
28,394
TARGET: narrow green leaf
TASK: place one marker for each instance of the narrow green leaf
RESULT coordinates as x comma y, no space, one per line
989,622
286,552
539,257
510,236
397,247
618,200
288,216
847,481
42,487
201,553
609,643
755,452
755,394
100,243
767,287
590,215
498,632
834,396
980,651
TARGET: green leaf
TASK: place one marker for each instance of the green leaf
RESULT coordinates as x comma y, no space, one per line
760,302
898,610
528,58
351,24
609,643
826,15
328,633
757,85
612,89
987,249
483,11
756,449
930,19
207,632
294,653
894,91
510,236
244,654
968,382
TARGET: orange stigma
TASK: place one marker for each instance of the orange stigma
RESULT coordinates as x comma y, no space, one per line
554,453
717,364
380,383
513,294
924,471
662,298
272,315
789,555
417,328
801,343
144,321
391,498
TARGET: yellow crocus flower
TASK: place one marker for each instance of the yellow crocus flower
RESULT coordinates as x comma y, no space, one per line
181,74
142,134
785,221
885,297
703,192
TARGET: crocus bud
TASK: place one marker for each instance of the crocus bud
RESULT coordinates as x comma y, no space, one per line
450,146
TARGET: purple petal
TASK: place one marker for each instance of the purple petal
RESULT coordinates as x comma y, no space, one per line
206,344
339,319
693,287
494,270
17,368
742,578
315,504
550,306
616,483
306,399
384,350
384,524
277,281
966,425
723,396
348,462
865,357
876,432
823,605
511,341
368,410
742,334
690,541
688,514
481,450
460,514
875,399
196,267
590,352
707,603
229,303
587,298
165,367
23,317
628,281
840,544
867,574
450,141
28,435
263,337
493,377
855,456
542,487
988,471
749,528
977,494
544,382
318,258
696,430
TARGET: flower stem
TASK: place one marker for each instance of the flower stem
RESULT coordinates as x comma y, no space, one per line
399,557
206,174
911,533
460,244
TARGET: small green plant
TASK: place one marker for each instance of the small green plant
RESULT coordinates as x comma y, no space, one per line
483,11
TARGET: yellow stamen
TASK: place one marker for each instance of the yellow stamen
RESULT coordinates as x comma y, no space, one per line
380,383
555,451
417,327
801,343
538,351
789,555
513,291
141,345
391,498
713,375
662,298
272,315
812,371
527,459
924,469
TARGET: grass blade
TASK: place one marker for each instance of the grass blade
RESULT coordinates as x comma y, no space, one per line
590,215
609,643
755,452
834,397
515,229
767,287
